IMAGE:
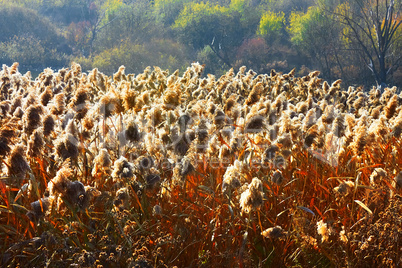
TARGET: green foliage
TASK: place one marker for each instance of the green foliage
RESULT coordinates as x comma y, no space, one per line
126,54
250,13
85,63
23,3
135,23
287,6
312,27
245,7
271,24
204,24
166,11
165,53
238,5
168,54
317,35
220,33
213,64
298,21
111,10
194,12
64,12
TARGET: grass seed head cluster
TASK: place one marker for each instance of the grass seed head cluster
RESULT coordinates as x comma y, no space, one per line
162,170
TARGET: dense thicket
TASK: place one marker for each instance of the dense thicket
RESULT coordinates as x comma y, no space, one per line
222,34
163,170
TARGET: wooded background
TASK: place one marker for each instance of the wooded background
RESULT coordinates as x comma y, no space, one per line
357,41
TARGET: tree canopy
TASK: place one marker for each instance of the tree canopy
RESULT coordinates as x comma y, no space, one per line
357,41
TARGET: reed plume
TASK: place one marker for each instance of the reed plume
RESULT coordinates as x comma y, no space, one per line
252,197
32,118
17,164
391,106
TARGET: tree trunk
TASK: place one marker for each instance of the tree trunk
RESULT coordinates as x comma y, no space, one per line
383,70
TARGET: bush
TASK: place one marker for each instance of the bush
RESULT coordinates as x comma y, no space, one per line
212,63
165,53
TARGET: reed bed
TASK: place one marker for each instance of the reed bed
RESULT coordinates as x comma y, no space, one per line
163,170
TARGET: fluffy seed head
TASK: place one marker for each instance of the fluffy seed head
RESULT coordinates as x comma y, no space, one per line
391,106
324,230
132,132
17,164
152,180
7,133
39,209
254,124
359,139
253,97
338,126
398,181
252,198
277,177
122,197
157,210
103,158
67,147
270,152
122,169
145,162
108,105
35,143
329,114
59,104
58,185
48,125
46,96
344,188
32,118
76,194
274,232
232,176
377,175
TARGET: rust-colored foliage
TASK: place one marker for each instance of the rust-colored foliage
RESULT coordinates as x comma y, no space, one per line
160,170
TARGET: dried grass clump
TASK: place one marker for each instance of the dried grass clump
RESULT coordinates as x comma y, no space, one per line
232,177
161,170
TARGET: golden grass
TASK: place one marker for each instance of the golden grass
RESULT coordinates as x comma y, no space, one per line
159,170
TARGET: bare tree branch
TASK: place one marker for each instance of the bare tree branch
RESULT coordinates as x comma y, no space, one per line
373,26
